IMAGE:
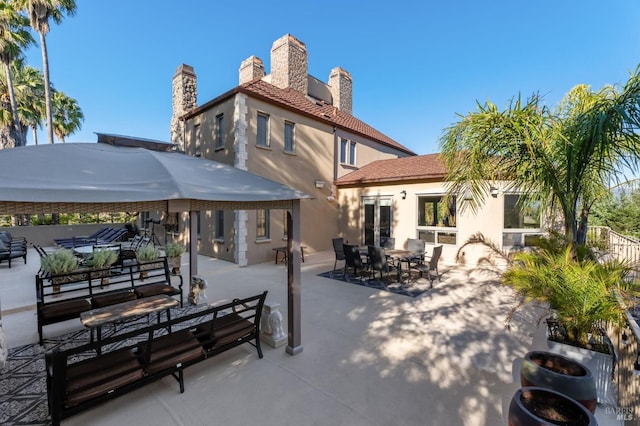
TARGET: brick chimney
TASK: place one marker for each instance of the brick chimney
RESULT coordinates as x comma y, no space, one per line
250,69
289,64
184,99
341,87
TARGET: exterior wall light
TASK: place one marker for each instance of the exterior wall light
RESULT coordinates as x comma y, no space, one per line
404,194
493,191
319,184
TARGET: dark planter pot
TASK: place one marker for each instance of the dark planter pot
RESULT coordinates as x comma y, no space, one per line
534,406
561,374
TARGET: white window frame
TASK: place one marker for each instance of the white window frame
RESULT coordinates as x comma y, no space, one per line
519,237
445,235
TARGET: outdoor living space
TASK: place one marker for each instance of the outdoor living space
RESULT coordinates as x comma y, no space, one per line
371,357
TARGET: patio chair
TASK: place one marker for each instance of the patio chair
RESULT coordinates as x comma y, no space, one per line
9,252
432,266
416,246
378,262
17,243
352,259
338,249
388,242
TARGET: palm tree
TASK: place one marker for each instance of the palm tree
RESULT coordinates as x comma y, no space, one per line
28,84
40,11
67,115
31,109
14,37
563,157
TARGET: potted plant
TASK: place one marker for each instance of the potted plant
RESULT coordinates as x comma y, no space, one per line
146,254
580,296
540,406
174,252
60,262
100,259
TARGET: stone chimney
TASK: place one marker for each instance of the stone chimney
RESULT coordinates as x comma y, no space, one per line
289,64
341,87
184,99
250,69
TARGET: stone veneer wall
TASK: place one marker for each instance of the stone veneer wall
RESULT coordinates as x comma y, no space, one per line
341,87
289,63
183,99
240,141
250,69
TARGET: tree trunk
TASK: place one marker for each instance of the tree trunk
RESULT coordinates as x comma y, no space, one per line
581,237
47,87
14,107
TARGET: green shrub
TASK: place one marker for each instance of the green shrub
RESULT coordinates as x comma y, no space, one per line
581,293
60,261
147,253
173,250
102,258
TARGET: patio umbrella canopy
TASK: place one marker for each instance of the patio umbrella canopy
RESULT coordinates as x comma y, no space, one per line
89,173
98,177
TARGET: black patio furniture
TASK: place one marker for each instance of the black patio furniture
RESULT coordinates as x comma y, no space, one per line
417,247
431,266
378,261
16,242
338,249
104,235
388,242
9,252
352,259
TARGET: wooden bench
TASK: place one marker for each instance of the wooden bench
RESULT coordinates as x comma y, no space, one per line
82,377
65,296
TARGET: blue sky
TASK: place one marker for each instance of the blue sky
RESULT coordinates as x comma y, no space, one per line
415,64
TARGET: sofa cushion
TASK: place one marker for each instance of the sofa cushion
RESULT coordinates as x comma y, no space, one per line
109,299
100,375
225,329
170,350
155,289
64,309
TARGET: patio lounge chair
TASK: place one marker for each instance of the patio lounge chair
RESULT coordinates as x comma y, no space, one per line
104,235
9,252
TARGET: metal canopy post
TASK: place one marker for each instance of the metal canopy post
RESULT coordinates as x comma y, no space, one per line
293,279
193,244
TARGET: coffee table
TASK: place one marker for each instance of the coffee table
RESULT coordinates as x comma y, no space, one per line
96,318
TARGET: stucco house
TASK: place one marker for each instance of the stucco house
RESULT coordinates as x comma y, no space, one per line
404,198
297,130
287,126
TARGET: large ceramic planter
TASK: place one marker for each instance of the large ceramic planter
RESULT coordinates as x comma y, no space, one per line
557,372
600,364
534,406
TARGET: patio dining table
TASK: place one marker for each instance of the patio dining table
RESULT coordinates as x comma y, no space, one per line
399,257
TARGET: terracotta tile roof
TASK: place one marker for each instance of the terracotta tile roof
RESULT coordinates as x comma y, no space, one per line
419,167
297,102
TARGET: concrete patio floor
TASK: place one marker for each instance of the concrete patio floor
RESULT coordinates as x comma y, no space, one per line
370,357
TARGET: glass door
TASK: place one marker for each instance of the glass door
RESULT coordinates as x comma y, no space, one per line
376,219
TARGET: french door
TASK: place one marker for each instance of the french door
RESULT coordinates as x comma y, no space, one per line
376,219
